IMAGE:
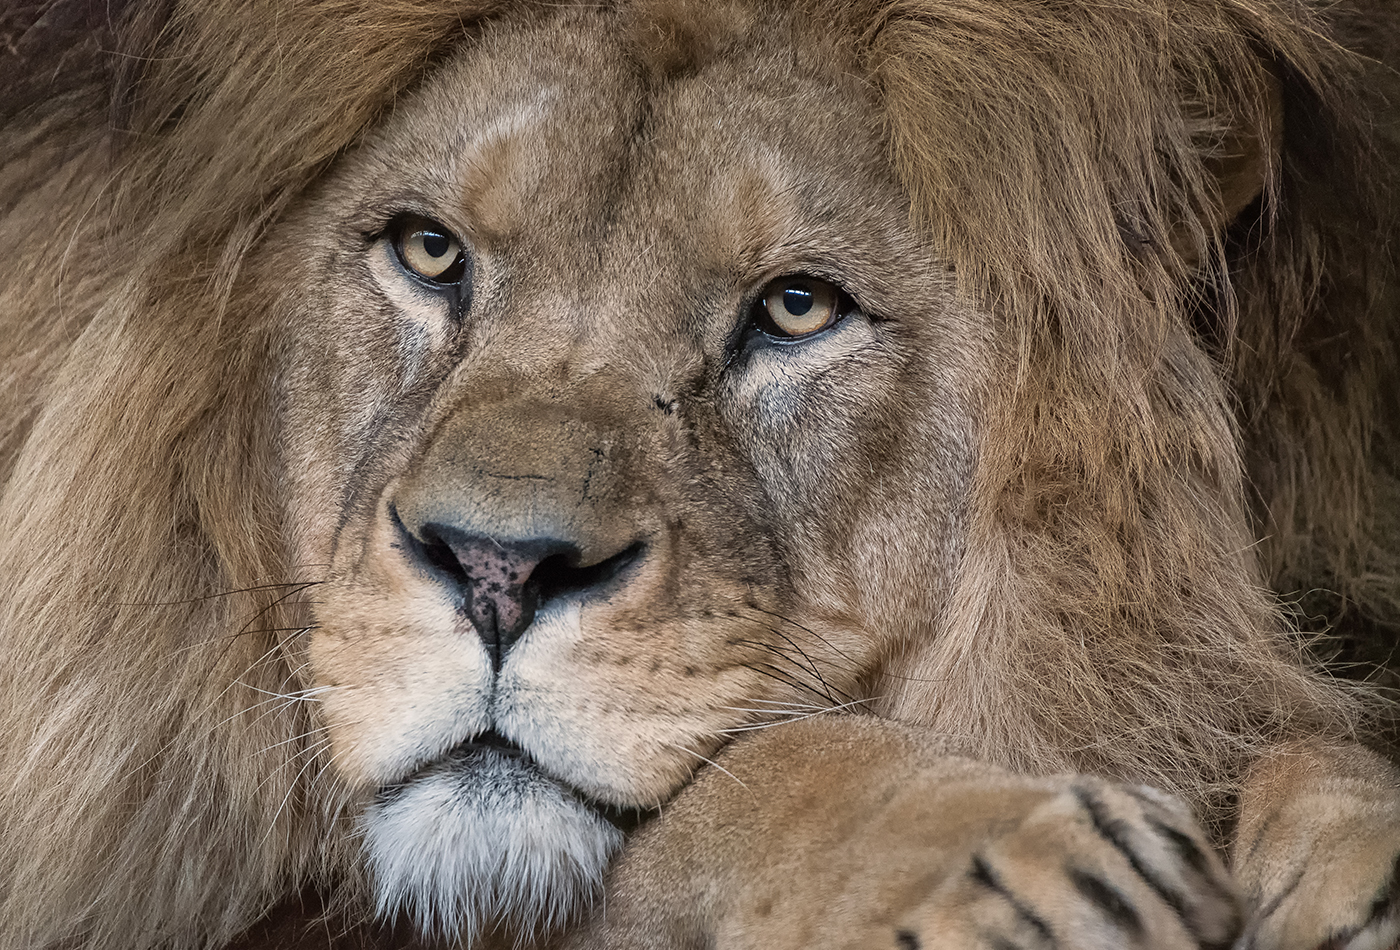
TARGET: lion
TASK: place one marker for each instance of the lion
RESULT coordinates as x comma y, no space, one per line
649,473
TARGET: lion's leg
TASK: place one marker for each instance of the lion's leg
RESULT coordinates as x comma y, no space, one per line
1317,851
848,833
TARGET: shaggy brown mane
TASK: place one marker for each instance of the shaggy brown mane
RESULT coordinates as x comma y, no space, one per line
164,780
1112,472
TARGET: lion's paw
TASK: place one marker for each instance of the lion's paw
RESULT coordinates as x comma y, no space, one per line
1317,853
1348,899
1096,866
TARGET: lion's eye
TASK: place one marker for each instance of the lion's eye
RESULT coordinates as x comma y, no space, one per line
429,250
798,306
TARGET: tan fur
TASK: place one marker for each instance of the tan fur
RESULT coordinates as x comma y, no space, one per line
883,864
1141,322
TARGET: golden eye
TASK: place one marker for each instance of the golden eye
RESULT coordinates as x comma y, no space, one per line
430,251
798,306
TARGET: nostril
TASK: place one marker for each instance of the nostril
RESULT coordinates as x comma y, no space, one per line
428,545
438,553
558,574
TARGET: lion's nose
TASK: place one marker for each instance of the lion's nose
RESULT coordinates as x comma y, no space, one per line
520,498
504,582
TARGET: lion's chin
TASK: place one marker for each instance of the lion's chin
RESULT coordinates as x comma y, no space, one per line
481,838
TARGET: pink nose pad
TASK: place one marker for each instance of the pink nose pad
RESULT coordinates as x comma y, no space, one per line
500,601
502,583
497,579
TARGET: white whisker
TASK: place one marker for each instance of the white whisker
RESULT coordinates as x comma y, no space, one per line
681,748
291,788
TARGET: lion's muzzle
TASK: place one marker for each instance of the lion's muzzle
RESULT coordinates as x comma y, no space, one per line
514,505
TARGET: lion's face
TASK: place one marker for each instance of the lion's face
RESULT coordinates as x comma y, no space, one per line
622,410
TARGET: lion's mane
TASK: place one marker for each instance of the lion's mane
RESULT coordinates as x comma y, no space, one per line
1170,392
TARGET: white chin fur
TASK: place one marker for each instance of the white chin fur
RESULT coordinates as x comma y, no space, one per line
484,838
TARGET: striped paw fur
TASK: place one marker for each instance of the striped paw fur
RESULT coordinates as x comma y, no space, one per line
1096,866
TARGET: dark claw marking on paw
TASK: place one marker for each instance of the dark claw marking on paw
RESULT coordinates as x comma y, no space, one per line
1111,830
1107,898
1185,848
906,940
983,874
1389,894
1277,900
1383,905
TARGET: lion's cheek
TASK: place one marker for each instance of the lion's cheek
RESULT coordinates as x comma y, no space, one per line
622,712
401,681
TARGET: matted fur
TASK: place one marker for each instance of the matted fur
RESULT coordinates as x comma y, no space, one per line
160,759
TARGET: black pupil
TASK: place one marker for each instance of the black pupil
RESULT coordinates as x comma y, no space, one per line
797,300
435,245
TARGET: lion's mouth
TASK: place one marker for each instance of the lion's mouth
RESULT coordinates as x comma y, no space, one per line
491,749
491,741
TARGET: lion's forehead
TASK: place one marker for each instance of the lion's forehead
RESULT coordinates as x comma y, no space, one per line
548,144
